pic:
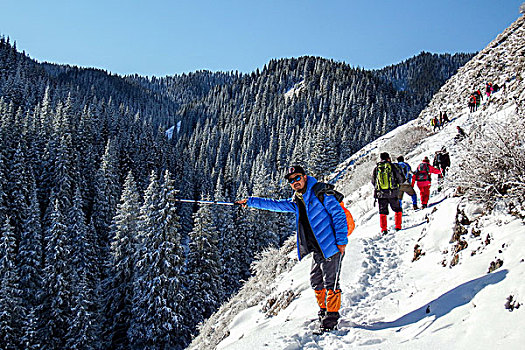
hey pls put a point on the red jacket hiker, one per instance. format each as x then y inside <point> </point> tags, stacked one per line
<point>423,179</point>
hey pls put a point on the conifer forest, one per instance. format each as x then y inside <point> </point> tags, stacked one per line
<point>95,250</point>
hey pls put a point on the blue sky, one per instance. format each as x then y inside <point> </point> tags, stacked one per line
<point>172,37</point>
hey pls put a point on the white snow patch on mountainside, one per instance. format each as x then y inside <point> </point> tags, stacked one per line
<point>295,90</point>
<point>396,295</point>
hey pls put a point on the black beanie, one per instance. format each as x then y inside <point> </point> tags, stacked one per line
<point>384,156</point>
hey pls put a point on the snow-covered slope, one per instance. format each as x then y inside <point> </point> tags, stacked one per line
<point>444,299</point>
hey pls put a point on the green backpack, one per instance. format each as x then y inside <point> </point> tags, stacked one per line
<point>384,178</point>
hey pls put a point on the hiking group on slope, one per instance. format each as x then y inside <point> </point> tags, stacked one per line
<point>476,97</point>
<point>392,180</point>
<point>439,122</point>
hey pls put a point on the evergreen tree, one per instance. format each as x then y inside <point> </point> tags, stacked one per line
<point>155,322</point>
<point>17,191</point>
<point>123,244</point>
<point>245,232</point>
<point>84,331</point>
<point>107,192</point>
<point>205,284</point>
<point>223,221</point>
<point>57,303</point>
<point>11,307</point>
<point>30,255</point>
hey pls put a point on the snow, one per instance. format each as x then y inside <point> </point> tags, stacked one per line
<point>294,91</point>
<point>171,131</point>
<point>390,301</point>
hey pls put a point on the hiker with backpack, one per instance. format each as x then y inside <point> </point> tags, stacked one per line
<point>406,186</point>
<point>386,179</point>
<point>479,97</point>
<point>441,161</point>
<point>472,103</point>
<point>435,123</point>
<point>423,179</point>
<point>323,225</point>
<point>488,90</point>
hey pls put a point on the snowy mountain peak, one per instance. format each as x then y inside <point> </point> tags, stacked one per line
<point>452,278</point>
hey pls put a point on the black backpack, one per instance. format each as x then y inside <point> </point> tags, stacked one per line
<point>321,188</point>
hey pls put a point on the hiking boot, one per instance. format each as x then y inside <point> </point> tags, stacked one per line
<point>329,322</point>
<point>424,206</point>
<point>384,232</point>
<point>415,207</point>
<point>398,229</point>
<point>321,314</point>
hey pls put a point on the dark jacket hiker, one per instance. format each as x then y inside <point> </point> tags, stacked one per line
<point>442,161</point>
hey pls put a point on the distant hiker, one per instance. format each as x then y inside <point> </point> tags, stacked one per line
<point>488,90</point>
<point>321,230</point>
<point>445,118</point>
<point>472,103</point>
<point>423,179</point>
<point>406,187</point>
<point>461,134</point>
<point>479,97</point>
<point>495,88</point>
<point>441,161</point>
<point>386,179</point>
<point>435,123</point>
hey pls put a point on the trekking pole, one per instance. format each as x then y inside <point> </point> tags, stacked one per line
<point>339,271</point>
<point>204,202</point>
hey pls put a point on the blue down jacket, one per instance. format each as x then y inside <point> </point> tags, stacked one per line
<point>328,221</point>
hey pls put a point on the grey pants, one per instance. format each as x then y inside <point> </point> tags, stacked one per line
<point>325,272</point>
<point>405,188</point>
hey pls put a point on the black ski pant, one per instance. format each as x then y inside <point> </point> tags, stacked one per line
<point>393,202</point>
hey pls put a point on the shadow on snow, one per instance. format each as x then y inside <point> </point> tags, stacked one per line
<point>441,306</point>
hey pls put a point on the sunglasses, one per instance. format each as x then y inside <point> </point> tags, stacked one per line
<point>295,179</point>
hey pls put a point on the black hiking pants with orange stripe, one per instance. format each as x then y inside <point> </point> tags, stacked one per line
<point>324,279</point>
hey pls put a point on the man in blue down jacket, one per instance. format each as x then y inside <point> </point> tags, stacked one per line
<point>321,230</point>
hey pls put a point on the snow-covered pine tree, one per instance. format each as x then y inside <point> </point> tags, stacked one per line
<point>245,233</point>
<point>30,254</point>
<point>204,282</point>
<point>17,190</point>
<point>119,287</point>
<point>11,307</point>
<point>264,186</point>
<point>155,322</point>
<point>107,192</point>
<point>85,257</point>
<point>84,331</point>
<point>56,308</point>
<point>223,221</point>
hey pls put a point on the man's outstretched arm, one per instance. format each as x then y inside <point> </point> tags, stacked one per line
<point>282,205</point>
